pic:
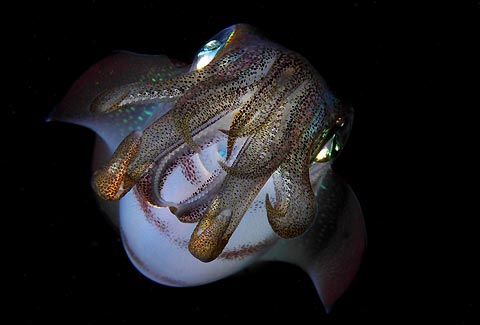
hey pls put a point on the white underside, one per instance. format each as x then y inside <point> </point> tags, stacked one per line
<point>162,254</point>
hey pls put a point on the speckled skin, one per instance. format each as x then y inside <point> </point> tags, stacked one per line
<point>268,112</point>
<point>277,100</point>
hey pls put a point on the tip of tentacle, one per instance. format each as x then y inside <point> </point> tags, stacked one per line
<point>111,182</point>
<point>276,210</point>
<point>226,132</point>
<point>224,166</point>
<point>208,239</point>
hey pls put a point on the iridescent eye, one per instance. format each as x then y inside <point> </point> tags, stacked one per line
<point>211,48</point>
<point>211,45</point>
<point>332,141</point>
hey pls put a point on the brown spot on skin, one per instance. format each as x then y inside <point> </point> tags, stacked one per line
<point>246,250</point>
<point>110,180</point>
<point>148,213</point>
<point>154,220</point>
<point>190,170</point>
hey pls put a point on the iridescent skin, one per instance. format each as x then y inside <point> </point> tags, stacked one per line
<point>246,135</point>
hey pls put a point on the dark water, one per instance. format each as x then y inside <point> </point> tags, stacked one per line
<point>394,65</point>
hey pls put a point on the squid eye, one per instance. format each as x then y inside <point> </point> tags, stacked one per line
<point>211,48</point>
<point>332,141</point>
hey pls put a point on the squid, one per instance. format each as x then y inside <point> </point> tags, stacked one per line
<point>207,168</point>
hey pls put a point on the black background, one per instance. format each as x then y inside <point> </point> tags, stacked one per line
<point>403,68</point>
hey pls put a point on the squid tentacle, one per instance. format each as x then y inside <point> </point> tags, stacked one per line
<point>294,208</point>
<point>274,142</point>
<point>248,186</point>
<point>111,180</point>
<point>208,246</point>
<point>146,92</point>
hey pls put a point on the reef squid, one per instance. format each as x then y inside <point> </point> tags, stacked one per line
<point>207,168</point>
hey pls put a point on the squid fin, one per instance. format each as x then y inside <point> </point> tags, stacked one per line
<point>117,70</point>
<point>331,250</point>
